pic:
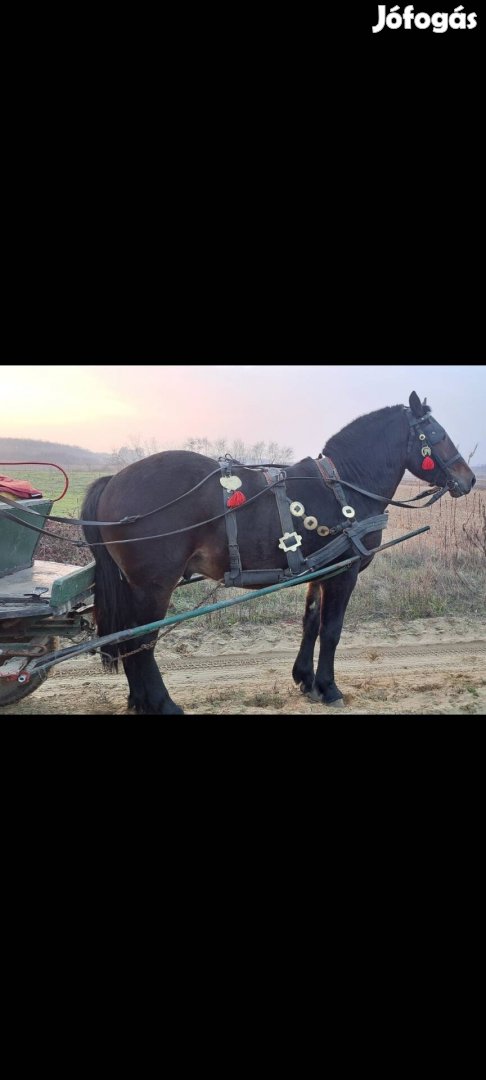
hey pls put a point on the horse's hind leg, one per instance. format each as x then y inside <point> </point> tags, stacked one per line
<point>303,669</point>
<point>148,693</point>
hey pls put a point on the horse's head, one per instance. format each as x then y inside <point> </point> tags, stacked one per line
<point>431,454</point>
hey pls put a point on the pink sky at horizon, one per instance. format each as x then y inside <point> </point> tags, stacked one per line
<point>101,407</point>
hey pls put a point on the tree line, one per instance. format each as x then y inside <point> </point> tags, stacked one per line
<point>258,453</point>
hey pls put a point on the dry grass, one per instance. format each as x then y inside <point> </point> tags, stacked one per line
<point>455,524</point>
<point>441,572</point>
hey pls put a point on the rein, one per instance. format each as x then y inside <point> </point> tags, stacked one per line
<point>174,532</point>
<point>436,493</point>
<point>138,517</point>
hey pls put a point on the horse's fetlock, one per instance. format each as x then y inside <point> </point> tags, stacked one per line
<point>303,675</point>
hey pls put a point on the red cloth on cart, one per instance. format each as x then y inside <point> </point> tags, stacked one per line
<point>22,489</point>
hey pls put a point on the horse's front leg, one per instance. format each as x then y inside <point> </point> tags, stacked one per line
<point>303,669</point>
<point>148,694</point>
<point>335,598</point>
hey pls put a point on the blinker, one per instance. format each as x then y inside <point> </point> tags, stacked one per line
<point>436,433</point>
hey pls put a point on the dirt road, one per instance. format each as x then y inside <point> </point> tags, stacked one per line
<point>427,667</point>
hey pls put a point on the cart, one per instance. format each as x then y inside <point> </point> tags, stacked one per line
<point>40,602</point>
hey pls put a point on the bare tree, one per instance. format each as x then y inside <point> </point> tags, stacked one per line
<point>258,454</point>
<point>238,449</point>
<point>136,450</point>
<point>262,453</point>
<point>281,455</point>
<point>199,444</point>
<point>220,447</point>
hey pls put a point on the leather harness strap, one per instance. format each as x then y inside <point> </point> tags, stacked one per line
<point>295,559</point>
<point>231,531</point>
<point>328,472</point>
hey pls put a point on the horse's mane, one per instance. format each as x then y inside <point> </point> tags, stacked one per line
<point>354,435</point>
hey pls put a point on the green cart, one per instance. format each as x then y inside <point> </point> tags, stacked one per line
<point>40,602</point>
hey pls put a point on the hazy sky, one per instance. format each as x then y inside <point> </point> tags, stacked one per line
<point>101,407</point>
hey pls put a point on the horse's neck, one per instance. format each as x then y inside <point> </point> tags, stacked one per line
<point>379,468</point>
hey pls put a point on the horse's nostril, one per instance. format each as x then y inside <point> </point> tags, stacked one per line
<point>473,481</point>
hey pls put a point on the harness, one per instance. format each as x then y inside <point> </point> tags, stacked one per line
<point>350,533</point>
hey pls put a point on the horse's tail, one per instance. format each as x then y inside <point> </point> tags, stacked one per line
<point>112,595</point>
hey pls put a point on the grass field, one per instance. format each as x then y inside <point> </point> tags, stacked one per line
<point>442,572</point>
<point>51,482</point>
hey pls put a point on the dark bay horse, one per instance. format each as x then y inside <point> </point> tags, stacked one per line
<point>179,500</point>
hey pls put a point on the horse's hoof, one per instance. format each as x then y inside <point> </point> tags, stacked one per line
<point>314,695</point>
<point>304,689</point>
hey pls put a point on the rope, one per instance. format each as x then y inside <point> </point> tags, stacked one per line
<point>66,478</point>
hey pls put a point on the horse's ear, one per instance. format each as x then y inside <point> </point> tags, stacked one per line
<point>415,405</point>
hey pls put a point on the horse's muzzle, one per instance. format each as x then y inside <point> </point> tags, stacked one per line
<point>461,487</point>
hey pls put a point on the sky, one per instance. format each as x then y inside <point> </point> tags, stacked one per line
<point>104,406</point>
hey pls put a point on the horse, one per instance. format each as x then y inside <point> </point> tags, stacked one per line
<point>165,518</point>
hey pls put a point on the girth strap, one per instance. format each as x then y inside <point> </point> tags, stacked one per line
<point>231,532</point>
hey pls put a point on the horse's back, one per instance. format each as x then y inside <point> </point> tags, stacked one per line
<point>154,480</point>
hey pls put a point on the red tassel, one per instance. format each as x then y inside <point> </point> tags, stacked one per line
<point>237,499</point>
<point>428,463</point>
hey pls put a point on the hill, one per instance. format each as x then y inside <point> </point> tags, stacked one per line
<point>69,457</point>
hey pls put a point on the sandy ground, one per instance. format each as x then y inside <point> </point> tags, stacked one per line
<point>426,667</point>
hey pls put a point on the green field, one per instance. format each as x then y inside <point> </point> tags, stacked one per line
<point>51,482</point>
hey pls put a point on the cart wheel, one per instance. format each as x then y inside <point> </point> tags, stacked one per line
<point>10,692</point>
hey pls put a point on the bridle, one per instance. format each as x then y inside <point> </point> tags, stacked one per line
<point>433,435</point>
